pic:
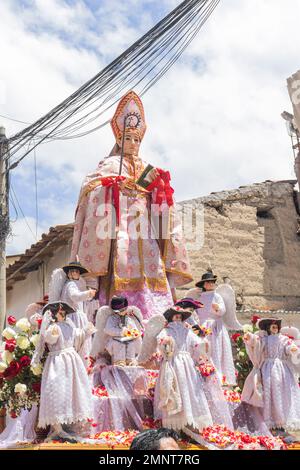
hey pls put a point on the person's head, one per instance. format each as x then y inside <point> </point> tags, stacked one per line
<point>156,439</point>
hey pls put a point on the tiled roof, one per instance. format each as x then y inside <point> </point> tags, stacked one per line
<point>33,256</point>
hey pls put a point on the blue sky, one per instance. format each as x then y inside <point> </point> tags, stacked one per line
<point>213,120</point>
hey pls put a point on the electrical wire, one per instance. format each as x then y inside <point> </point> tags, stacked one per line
<point>139,67</point>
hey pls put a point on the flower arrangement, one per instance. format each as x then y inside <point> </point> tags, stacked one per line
<point>201,330</point>
<point>20,383</point>
<point>115,438</point>
<point>152,376</point>
<point>232,396</point>
<point>100,392</point>
<point>223,437</point>
<point>206,368</point>
<point>243,364</point>
<point>131,333</point>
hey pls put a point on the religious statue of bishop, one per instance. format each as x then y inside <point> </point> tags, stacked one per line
<point>116,234</point>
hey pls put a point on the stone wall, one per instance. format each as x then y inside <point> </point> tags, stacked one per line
<point>250,236</point>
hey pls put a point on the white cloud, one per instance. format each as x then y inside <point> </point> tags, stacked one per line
<point>213,120</point>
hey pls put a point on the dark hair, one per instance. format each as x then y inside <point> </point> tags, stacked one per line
<point>54,313</point>
<point>150,439</point>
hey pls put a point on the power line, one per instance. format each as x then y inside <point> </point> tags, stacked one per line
<point>139,67</point>
<point>14,120</point>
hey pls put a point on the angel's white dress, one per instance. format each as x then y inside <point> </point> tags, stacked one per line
<point>65,390</point>
<point>221,351</point>
<point>280,390</point>
<point>75,294</point>
<point>179,397</point>
<point>121,351</point>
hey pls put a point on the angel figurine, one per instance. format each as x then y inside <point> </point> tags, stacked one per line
<point>179,398</point>
<point>119,330</point>
<point>218,314</point>
<point>68,285</point>
<point>272,385</point>
<point>66,396</point>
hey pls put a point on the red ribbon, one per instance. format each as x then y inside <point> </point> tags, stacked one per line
<point>162,188</point>
<point>113,182</point>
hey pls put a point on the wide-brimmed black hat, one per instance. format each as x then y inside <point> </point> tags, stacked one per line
<point>265,323</point>
<point>55,306</point>
<point>208,276</point>
<point>75,265</point>
<point>169,314</point>
<point>118,302</point>
<point>188,302</point>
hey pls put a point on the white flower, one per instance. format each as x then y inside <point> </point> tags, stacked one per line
<point>3,367</point>
<point>23,325</point>
<point>20,388</point>
<point>36,369</point>
<point>247,328</point>
<point>34,339</point>
<point>23,342</point>
<point>241,354</point>
<point>8,333</point>
<point>7,357</point>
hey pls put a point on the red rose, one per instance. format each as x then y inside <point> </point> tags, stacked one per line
<point>11,320</point>
<point>36,387</point>
<point>39,322</point>
<point>13,414</point>
<point>10,345</point>
<point>25,361</point>
<point>255,319</point>
<point>12,370</point>
<point>235,337</point>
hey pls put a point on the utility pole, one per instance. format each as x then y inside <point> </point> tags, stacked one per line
<point>4,223</point>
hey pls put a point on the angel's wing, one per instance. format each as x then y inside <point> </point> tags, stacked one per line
<point>137,317</point>
<point>57,281</point>
<point>153,328</point>
<point>31,310</point>
<point>100,337</point>
<point>194,293</point>
<point>228,295</point>
<point>293,333</point>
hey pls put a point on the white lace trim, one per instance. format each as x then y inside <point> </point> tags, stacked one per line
<point>63,419</point>
<point>179,423</point>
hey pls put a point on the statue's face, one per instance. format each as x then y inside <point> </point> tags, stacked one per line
<point>131,142</point>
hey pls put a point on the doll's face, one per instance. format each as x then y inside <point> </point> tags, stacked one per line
<point>177,317</point>
<point>60,315</point>
<point>209,285</point>
<point>274,330</point>
<point>122,312</point>
<point>74,274</point>
<point>131,142</point>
